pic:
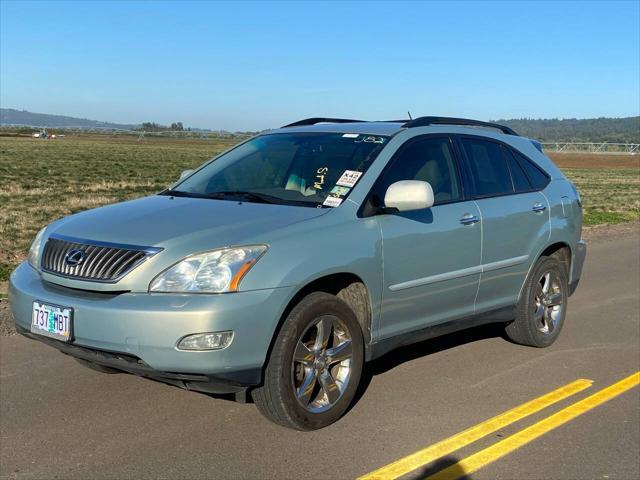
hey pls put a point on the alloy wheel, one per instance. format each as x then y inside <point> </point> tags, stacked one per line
<point>321,366</point>
<point>549,302</point>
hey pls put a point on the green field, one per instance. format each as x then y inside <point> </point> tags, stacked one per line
<point>47,179</point>
<point>610,195</point>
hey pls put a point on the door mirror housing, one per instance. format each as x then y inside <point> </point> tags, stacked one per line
<point>185,174</point>
<point>407,195</point>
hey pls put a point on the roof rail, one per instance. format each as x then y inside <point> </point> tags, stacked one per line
<point>426,121</point>
<point>315,120</point>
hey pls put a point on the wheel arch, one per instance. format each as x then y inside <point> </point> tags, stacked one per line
<point>347,286</point>
<point>559,250</point>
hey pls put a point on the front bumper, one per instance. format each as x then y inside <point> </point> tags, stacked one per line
<point>234,382</point>
<point>146,327</point>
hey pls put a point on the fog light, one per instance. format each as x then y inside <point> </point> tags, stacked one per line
<point>206,341</point>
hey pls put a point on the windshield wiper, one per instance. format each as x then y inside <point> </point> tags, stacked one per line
<point>177,193</point>
<point>255,197</point>
<point>240,194</point>
<point>251,196</point>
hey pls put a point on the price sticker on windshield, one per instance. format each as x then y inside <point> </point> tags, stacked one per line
<point>349,178</point>
<point>332,202</point>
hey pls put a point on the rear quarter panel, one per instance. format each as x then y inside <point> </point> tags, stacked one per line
<point>565,218</point>
<point>566,215</point>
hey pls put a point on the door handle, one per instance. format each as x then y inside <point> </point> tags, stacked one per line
<point>538,207</point>
<point>469,219</point>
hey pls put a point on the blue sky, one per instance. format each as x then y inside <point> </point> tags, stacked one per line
<point>257,65</point>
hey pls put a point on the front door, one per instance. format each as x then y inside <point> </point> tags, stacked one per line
<point>432,256</point>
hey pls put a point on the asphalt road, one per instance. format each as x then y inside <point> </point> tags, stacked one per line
<point>60,420</point>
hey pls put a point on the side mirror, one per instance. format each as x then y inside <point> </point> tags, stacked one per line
<point>185,174</point>
<point>407,195</point>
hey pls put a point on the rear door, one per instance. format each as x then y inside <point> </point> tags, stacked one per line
<point>515,216</point>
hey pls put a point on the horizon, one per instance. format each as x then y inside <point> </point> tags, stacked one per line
<point>163,62</point>
<point>195,127</point>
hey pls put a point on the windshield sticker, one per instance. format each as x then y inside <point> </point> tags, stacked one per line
<point>320,174</point>
<point>349,178</point>
<point>351,135</point>
<point>372,139</point>
<point>339,191</point>
<point>332,202</point>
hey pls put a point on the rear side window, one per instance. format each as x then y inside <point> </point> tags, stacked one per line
<point>520,180</point>
<point>537,178</point>
<point>489,167</point>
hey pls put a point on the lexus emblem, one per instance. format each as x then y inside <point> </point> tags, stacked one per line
<point>74,258</point>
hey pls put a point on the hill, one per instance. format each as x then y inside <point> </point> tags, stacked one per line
<point>622,130</point>
<point>10,116</point>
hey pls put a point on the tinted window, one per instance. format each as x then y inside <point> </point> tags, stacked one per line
<point>538,179</point>
<point>520,180</point>
<point>488,165</point>
<point>429,160</point>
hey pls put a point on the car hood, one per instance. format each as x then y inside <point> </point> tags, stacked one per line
<point>191,223</point>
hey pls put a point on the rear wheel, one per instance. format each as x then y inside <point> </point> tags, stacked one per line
<point>542,308</point>
<point>314,369</point>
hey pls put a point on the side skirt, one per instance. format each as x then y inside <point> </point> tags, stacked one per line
<point>378,349</point>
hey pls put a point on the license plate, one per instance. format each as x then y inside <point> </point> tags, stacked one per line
<point>51,321</point>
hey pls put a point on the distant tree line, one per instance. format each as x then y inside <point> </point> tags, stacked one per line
<point>613,130</point>
<point>156,127</point>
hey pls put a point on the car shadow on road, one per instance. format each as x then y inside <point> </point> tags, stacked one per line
<point>405,354</point>
<point>449,462</point>
<point>421,349</point>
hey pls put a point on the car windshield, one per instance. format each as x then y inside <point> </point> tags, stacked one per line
<point>308,169</point>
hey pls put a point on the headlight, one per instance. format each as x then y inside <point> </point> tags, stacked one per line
<point>34,251</point>
<point>217,271</point>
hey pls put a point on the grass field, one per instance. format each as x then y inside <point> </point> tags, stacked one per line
<point>45,180</point>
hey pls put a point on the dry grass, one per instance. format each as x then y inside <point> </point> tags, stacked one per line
<point>595,161</point>
<point>45,180</point>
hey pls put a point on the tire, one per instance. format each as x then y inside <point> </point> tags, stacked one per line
<point>96,367</point>
<point>542,308</point>
<point>315,365</point>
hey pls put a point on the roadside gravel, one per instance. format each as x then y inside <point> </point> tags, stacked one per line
<point>605,232</point>
<point>6,321</point>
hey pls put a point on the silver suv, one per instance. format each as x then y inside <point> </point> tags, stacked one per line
<point>279,267</point>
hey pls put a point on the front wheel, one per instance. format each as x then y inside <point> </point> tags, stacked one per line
<point>542,307</point>
<point>315,366</point>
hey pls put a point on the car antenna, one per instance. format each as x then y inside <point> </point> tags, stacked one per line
<point>409,113</point>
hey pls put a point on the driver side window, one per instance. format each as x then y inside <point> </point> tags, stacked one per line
<point>429,159</point>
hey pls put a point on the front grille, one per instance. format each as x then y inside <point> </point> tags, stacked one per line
<point>99,261</point>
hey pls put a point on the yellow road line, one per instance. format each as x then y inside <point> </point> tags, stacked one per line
<point>490,454</point>
<point>451,444</point>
